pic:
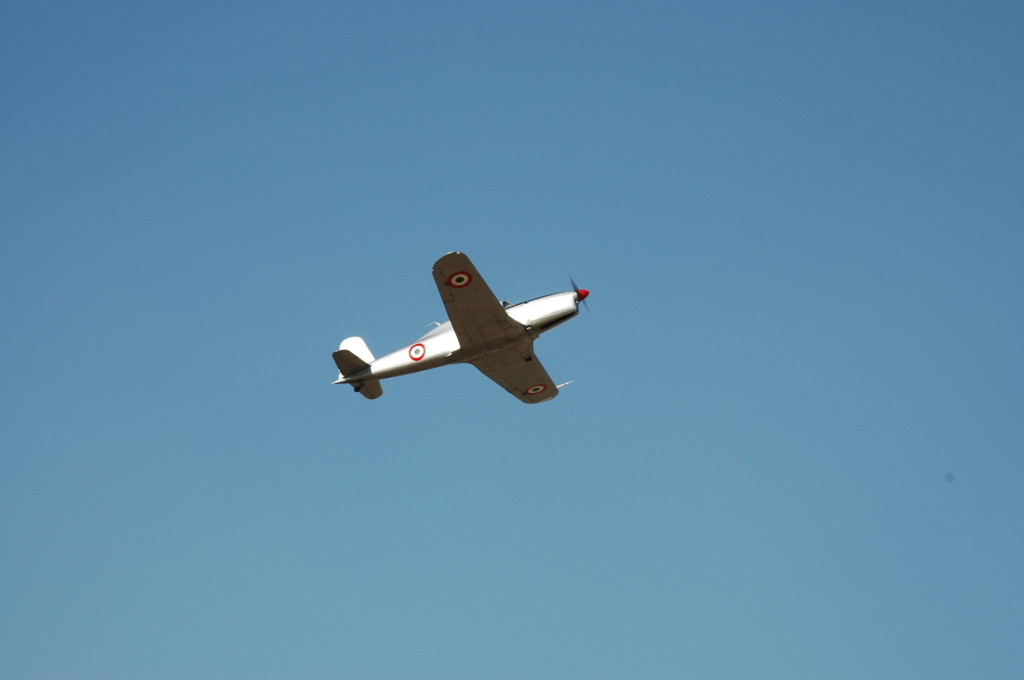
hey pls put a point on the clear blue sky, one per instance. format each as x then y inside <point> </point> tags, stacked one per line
<point>794,447</point>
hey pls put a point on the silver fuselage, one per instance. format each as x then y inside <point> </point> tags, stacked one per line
<point>441,346</point>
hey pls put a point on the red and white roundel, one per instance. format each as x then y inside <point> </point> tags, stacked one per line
<point>417,351</point>
<point>536,389</point>
<point>460,279</point>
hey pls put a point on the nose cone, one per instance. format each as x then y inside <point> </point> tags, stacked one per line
<point>582,294</point>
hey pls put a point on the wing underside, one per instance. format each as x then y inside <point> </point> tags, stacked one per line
<point>479,320</point>
<point>489,338</point>
<point>520,373</point>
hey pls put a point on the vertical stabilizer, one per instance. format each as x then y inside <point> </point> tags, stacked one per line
<point>358,346</point>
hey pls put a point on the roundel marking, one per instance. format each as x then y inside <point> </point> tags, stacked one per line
<point>417,351</point>
<point>536,389</point>
<point>460,279</point>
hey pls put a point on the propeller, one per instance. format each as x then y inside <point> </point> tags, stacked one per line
<point>581,293</point>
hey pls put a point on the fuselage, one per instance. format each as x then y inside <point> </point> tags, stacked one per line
<point>441,346</point>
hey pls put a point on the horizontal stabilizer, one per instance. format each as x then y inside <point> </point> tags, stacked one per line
<point>348,363</point>
<point>370,389</point>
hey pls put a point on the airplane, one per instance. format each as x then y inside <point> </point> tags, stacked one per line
<point>496,337</point>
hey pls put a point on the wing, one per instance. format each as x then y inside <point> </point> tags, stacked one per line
<point>519,372</point>
<point>478,318</point>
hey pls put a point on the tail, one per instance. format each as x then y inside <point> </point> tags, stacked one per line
<point>353,359</point>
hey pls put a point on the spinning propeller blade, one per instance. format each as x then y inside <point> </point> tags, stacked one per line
<point>581,293</point>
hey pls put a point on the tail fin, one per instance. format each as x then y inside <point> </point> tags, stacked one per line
<point>352,358</point>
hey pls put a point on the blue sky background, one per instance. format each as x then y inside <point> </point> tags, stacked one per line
<point>795,443</point>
